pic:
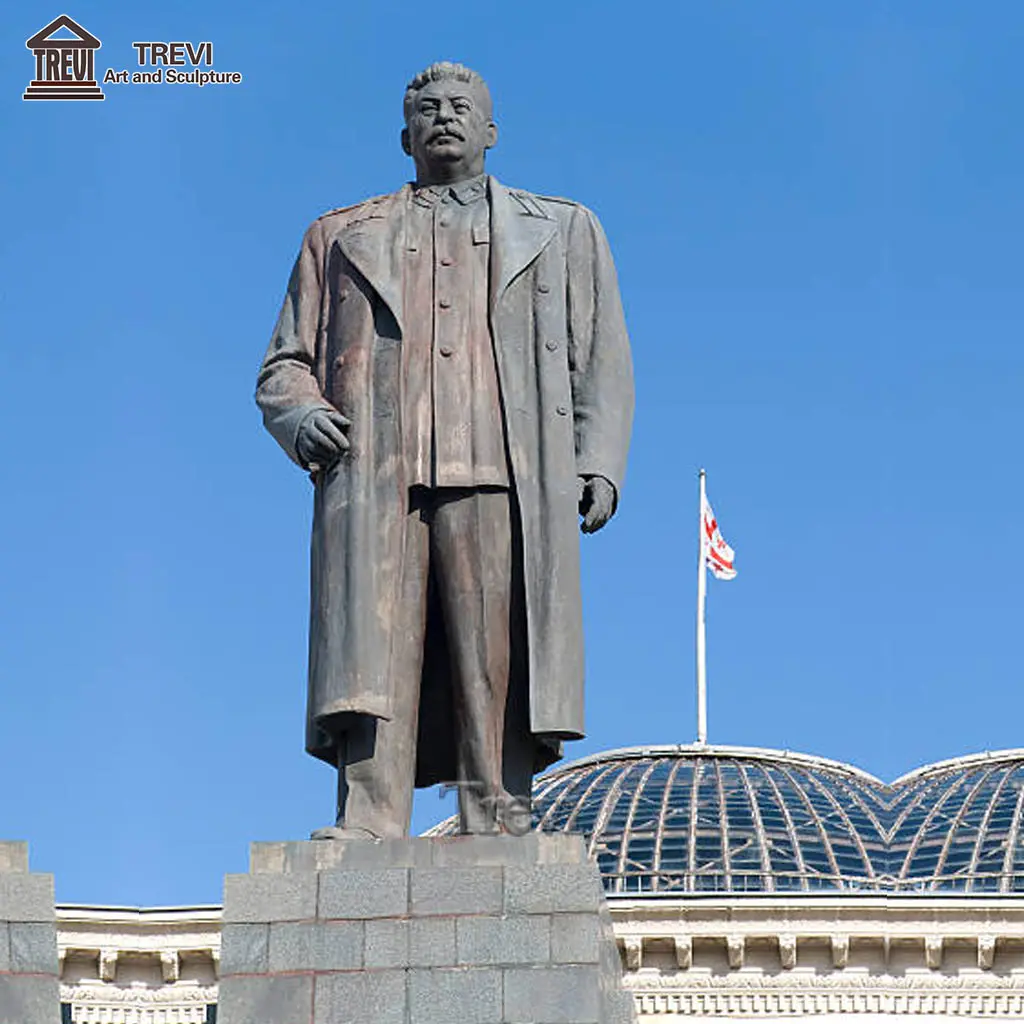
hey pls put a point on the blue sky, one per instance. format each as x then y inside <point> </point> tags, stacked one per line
<point>816,212</point>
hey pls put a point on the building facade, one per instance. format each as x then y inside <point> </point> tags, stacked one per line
<point>742,883</point>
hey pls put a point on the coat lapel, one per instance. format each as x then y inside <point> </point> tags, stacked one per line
<point>373,244</point>
<point>519,231</point>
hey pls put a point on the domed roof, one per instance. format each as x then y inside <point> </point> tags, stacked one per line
<point>735,819</point>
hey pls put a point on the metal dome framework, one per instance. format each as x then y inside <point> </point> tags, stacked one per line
<point>716,819</point>
<point>733,819</point>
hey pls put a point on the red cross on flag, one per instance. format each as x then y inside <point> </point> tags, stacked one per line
<point>718,555</point>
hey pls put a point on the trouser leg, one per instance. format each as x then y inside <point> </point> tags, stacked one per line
<point>518,755</point>
<point>519,749</point>
<point>377,757</point>
<point>471,557</point>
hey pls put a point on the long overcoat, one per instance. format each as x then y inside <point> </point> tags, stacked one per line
<point>566,383</point>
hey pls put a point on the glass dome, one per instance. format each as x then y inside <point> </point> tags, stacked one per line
<point>735,819</point>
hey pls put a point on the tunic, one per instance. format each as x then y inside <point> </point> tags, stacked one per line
<point>454,436</point>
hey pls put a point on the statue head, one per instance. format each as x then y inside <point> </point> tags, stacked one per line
<point>448,125</point>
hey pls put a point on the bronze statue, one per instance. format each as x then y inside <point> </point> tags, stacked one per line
<point>451,365</point>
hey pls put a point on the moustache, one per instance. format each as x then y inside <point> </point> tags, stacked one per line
<point>446,133</point>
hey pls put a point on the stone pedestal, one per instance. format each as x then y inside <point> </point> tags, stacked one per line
<point>29,980</point>
<point>454,930</point>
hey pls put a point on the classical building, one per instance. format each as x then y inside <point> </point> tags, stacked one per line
<point>130,965</point>
<point>742,882</point>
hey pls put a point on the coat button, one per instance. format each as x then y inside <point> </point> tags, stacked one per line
<point>444,303</point>
<point>543,287</point>
<point>551,345</point>
<point>446,350</point>
<point>562,410</point>
<point>446,261</point>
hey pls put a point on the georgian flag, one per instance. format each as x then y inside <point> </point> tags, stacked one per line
<point>718,556</point>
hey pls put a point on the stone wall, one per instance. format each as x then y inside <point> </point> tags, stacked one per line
<point>474,930</point>
<point>29,984</point>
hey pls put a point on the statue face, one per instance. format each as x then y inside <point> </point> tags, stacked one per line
<point>449,129</point>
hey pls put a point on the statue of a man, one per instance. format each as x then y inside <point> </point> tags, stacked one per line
<point>451,365</point>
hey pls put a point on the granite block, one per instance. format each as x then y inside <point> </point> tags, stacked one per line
<point>33,948</point>
<point>620,1008</point>
<point>29,999</point>
<point>336,854</point>
<point>364,894</point>
<point>561,848</point>
<point>26,897</point>
<point>575,938</point>
<point>555,995</point>
<point>432,942</point>
<point>455,995</point>
<point>287,999</point>
<point>244,949</point>
<point>386,943</point>
<point>363,997</point>
<point>316,946</point>
<point>610,958</point>
<point>364,855</point>
<point>267,858</point>
<point>503,851</point>
<point>13,856</point>
<point>552,888</point>
<point>419,942</point>
<point>255,899</point>
<point>456,891</point>
<point>503,940</point>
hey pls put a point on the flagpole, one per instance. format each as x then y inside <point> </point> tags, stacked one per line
<point>702,589</point>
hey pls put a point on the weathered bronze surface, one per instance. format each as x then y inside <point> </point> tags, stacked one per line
<point>451,364</point>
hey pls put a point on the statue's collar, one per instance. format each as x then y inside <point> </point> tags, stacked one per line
<point>467,191</point>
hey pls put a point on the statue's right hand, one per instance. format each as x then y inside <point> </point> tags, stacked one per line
<point>321,440</point>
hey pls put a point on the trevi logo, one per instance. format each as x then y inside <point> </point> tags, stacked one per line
<point>65,68</point>
<point>65,64</point>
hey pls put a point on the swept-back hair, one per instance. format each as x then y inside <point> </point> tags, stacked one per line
<point>439,71</point>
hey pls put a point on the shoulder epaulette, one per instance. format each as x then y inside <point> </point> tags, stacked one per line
<point>528,201</point>
<point>559,199</point>
<point>374,200</point>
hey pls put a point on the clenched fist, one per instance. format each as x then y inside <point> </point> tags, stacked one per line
<point>597,502</point>
<point>321,440</point>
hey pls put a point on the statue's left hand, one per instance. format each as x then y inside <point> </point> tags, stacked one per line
<point>597,502</point>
